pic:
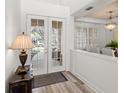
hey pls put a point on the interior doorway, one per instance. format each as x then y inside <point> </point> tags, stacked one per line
<point>47,35</point>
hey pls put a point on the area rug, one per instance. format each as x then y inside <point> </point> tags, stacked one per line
<point>48,79</point>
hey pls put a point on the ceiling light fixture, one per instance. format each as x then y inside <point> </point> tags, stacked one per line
<point>89,8</point>
<point>110,26</point>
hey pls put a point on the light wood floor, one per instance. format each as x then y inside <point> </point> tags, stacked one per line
<point>73,85</point>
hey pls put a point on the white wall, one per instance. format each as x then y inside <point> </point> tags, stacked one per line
<point>74,5</point>
<point>100,72</point>
<point>39,8</point>
<point>104,36</point>
<point>36,7</point>
<point>69,41</point>
<point>12,30</point>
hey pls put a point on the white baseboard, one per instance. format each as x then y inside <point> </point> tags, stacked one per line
<point>88,83</point>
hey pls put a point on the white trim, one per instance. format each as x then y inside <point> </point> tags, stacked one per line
<point>91,20</point>
<point>99,56</point>
<point>88,83</point>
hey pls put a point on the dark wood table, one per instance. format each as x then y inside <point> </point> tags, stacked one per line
<point>21,83</point>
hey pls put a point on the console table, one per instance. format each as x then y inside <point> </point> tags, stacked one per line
<point>21,83</point>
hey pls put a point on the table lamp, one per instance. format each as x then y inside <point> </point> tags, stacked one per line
<point>22,43</point>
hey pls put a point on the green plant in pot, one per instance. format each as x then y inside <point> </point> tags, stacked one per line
<point>114,46</point>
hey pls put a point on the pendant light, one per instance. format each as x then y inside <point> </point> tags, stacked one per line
<point>110,26</point>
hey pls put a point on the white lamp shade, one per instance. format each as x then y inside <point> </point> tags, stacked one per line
<point>22,42</point>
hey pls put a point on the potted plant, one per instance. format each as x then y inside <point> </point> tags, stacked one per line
<point>114,46</point>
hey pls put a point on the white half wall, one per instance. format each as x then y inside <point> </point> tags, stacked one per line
<point>100,72</point>
<point>12,30</point>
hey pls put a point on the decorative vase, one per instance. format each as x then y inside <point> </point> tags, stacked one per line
<point>113,52</point>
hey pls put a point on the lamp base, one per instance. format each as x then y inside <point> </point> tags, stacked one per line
<point>22,70</point>
<point>23,57</point>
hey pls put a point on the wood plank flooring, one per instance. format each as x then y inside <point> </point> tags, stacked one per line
<point>73,85</point>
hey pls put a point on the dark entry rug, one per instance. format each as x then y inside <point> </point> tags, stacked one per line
<point>48,79</point>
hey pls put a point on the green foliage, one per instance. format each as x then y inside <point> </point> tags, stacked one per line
<point>112,44</point>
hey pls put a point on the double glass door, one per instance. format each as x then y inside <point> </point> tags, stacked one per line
<point>47,36</point>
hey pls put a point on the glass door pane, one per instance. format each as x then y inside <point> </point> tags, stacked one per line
<point>55,46</point>
<point>56,43</point>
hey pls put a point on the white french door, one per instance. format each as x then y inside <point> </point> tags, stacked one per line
<point>56,60</point>
<point>47,36</point>
<point>37,28</point>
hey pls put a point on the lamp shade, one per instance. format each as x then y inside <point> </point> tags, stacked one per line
<point>22,41</point>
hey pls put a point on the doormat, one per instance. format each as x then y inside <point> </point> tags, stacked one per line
<point>48,79</point>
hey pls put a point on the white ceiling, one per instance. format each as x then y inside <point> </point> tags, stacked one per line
<point>74,5</point>
<point>100,10</point>
<point>57,2</point>
<point>63,2</point>
<point>103,12</point>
